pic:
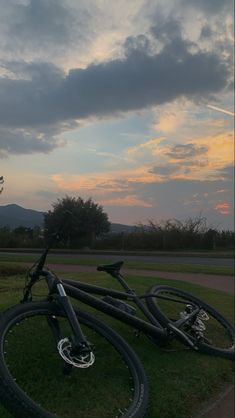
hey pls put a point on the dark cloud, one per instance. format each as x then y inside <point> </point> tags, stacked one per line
<point>227,172</point>
<point>42,74</point>
<point>51,29</point>
<point>20,141</point>
<point>165,170</point>
<point>206,32</point>
<point>166,29</point>
<point>209,6</point>
<point>137,81</point>
<point>181,152</point>
<point>32,99</point>
<point>185,167</point>
<point>42,21</point>
<point>38,95</point>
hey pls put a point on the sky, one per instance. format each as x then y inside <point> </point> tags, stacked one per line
<point>127,102</point>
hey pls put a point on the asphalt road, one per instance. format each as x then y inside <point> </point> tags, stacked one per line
<point>166,259</point>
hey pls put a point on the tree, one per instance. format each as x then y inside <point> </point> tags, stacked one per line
<point>78,221</point>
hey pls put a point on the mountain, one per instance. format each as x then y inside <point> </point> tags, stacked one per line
<point>14,216</point>
<point>118,228</point>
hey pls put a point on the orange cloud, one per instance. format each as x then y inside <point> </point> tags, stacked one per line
<point>218,152</point>
<point>151,145</point>
<point>105,182</point>
<point>224,208</point>
<point>169,121</point>
<point>200,158</point>
<point>102,184</point>
<point>222,191</point>
<point>131,200</point>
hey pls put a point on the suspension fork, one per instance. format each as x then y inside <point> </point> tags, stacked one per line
<point>57,292</point>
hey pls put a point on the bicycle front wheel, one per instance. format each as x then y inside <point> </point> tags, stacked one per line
<point>32,378</point>
<point>208,329</point>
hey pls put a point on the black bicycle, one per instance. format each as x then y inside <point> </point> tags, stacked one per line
<point>78,360</point>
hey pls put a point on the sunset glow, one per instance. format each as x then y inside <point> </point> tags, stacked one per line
<point>223,208</point>
<point>127,104</point>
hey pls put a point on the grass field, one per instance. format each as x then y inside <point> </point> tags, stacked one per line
<point>180,380</point>
<point>8,259</point>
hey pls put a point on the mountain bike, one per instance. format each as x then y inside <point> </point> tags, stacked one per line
<point>77,360</point>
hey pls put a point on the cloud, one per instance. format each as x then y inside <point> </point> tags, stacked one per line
<point>130,200</point>
<point>227,172</point>
<point>209,6</point>
<point>151,146</point>
<point>120,182</point>
<point>206,32</point>
<point>43,139</point>
<point>147,190</point>
<point>182,152</point>
<point>21,141</point>
<point>158,63</point>
<point>166,170</point>
<point>41,20</point>
<point>168,30</point>
<point>140,80</point>
<point>223,207</point>
<point>47,25</point>
<point>72,32</point>
<point>102,183</point>
<point>169,121</point>
<point>207,155</point>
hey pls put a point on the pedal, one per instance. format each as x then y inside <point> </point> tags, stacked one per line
<point>136,333</point>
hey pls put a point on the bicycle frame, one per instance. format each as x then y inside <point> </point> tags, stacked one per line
<point>82,291</point>
<point>154,329</point>
<point>74,289</point>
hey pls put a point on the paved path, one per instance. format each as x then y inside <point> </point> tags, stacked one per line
<point>221,407</point>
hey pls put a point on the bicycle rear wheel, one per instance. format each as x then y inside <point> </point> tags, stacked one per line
<point>32,381</point>
<point>209,330</point>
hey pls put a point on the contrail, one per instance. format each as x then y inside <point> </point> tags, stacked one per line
<point>227,112</point>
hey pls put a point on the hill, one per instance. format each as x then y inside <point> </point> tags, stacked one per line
<point>14,215</point>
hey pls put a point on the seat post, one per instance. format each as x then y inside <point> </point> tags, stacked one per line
<point>122,282</point>
<point>114,271</point>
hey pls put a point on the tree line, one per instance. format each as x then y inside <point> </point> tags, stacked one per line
<point>83,224</point>
<point>172,234</point>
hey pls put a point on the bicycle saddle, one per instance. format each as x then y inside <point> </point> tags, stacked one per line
<point>111,268</point>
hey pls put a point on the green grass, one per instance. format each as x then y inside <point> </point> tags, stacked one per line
<point>92,261</point>
<point>180,381</point>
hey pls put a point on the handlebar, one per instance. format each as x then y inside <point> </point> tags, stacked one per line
<point>37,267</point>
